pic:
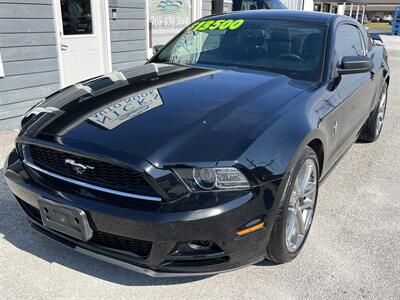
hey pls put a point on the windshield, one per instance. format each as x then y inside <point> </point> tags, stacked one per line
<point>287,47</point>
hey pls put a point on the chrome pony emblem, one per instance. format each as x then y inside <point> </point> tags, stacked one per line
<point>78,168</point>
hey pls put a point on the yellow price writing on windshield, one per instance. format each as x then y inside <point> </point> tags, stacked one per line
<point>216,25</point>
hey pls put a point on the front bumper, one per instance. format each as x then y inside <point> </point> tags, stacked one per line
<point>165,231</point>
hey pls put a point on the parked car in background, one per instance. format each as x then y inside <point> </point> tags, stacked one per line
<point>387,18</point>
<point>209,157</point>
<point>376,19</point>
<point>359,18</point>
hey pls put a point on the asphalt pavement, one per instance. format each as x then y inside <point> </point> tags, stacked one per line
<point>353,250</point>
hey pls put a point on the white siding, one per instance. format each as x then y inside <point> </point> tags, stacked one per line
<point>206,7</point>
<point>293,4</point>
<point>128,36</point>
<point>29,54</point>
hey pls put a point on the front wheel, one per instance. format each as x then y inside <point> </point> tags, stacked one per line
<point>296,209</point>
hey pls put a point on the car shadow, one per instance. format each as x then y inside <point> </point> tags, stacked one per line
<point>266,263</point>
<point>15,228</point>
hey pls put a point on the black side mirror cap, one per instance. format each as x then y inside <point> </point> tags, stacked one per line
<point>354,65</point>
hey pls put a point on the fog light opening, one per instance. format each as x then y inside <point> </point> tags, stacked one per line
<point>196,249</point>
<point>199,245</point>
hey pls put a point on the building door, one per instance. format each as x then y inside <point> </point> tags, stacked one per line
<point>326,7</point>
<point>217,7</point>
<point>257,4</point>
<point>82,38</point>
<point>166,18</point>
<point>317,7</point>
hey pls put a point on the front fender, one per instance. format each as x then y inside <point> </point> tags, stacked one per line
<point>271,153</point>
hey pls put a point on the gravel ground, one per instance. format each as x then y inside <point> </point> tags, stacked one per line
<point>352,250</point>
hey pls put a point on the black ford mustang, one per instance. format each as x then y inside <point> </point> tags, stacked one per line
<point>208,157</point>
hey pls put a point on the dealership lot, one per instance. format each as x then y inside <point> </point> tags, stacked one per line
<point>352,250</point>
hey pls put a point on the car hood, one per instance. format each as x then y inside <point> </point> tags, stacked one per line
<point>165,114</point>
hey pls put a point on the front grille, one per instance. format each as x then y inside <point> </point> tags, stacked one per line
<point>103,174</point>
<point>138,247</point>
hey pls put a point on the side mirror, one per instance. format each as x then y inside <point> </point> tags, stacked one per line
<point>157,48</point>
<point>376,38</point>
<point>354,65</point>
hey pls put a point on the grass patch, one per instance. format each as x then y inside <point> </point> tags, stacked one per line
<point>378,26</point>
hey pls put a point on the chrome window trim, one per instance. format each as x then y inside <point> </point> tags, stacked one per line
<point>365,52</point>
<point>91,186</point>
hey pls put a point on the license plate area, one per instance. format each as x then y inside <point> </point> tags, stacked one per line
<point>66,219</point>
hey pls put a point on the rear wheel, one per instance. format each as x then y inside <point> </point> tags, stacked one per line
<point>373,126</point>
<point>296,210</point>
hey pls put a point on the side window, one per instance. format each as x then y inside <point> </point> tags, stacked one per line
<point>348,42</point>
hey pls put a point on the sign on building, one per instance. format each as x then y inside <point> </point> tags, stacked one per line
<point>167,18</point>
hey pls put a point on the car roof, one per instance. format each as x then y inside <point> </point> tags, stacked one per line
<point>283,14</point>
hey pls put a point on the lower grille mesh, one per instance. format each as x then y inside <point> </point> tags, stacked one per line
<point>138,247</point>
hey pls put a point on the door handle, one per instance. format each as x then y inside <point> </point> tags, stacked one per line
<point>64,47</point>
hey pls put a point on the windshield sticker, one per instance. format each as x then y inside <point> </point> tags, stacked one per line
<point>216,25</point>
<point>122,111</point>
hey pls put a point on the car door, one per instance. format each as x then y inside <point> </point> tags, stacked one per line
<point>377,70</point>
<point>355,91</point>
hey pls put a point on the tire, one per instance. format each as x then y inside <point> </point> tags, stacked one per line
<point>280,249</point>
<point>373,126</point>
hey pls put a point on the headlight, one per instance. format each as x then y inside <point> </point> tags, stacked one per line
<point>213,179</point>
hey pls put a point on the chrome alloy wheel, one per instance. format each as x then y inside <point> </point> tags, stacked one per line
<point>381,110</point>
<point>301,205</point>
